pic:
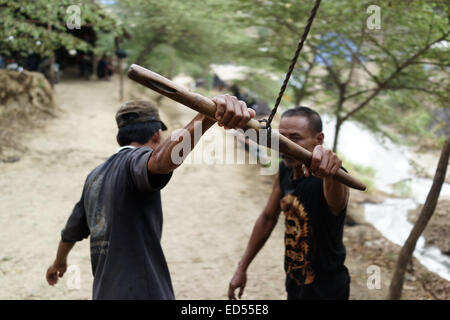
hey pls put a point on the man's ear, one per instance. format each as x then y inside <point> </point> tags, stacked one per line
<point>156,137</point>
<point>320,137</point>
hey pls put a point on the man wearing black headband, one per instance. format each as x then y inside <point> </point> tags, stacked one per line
<point>120,206</point>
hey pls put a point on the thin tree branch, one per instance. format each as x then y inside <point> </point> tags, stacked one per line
<point>414,57</point>
<point>330,70</point>
<point>362,104</point>
<point>402,87</point>
<point>359,93</point>
<point>283,23</point>
<point>355,56</point>
<point>444,65</point>
<point>383,85</point>
<point>301,93</point>
<point>352,67</point>
<point>384,49</point>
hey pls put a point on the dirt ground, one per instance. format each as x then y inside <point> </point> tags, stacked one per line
<point>209,211</point>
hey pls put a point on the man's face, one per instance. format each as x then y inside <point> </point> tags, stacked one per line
<point>296,129</point>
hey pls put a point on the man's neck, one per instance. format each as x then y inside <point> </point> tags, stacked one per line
<point>297,172</point>
<point>136,145</point>
<point>149,144</point>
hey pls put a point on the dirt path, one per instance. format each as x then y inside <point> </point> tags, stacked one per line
<point>203,237</point>
<point>39,191</point>
<point>209,210</point>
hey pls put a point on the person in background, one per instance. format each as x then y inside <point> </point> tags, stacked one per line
<point>314,205</point>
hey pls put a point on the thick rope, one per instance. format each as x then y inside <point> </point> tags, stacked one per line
<point>294,60</point>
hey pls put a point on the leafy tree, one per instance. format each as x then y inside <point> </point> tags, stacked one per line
<point>374,76</point>
<point>39,26</point>
<point>179,35</point>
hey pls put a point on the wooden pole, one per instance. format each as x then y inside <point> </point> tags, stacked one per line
<point>396,287</point>
<point>120,80</point>
<point>207,107</point>
<point>119,68</point>
<point>51,71</point>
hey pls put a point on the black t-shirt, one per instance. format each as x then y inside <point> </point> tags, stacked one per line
<point>120,208</point>
<point>314,251</point>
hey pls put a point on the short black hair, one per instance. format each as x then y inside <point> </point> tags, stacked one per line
<point>315,122</point>
<point>139,132</point>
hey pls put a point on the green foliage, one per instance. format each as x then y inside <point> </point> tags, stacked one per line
<point>384,78</point>
<point>363,173</point>
<point>388,77</point>
<point>178,36</point>
<point>261,84</point>
<point>105,42</point>
<point>403,188</point>
<point>24,25</point>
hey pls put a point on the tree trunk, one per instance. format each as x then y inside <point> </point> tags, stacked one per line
<point>144,53</point>
<point>151,44</point>
<point>172,65</point>
<point>94,64</point>
<point>120,80</point>
<point>51,71</point>
<point>299,94</point>
<point>118,41</point>
<point>337,129</point>
<point>395,290</point>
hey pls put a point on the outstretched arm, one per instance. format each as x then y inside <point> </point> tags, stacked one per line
<point>231,113</point>
<point>324,164</point>
<point>261,232</point>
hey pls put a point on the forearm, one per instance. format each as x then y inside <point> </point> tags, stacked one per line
<point>161,160</point>
<point>336,195</point>
<point>63,251</point>
<point>261,232</point>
